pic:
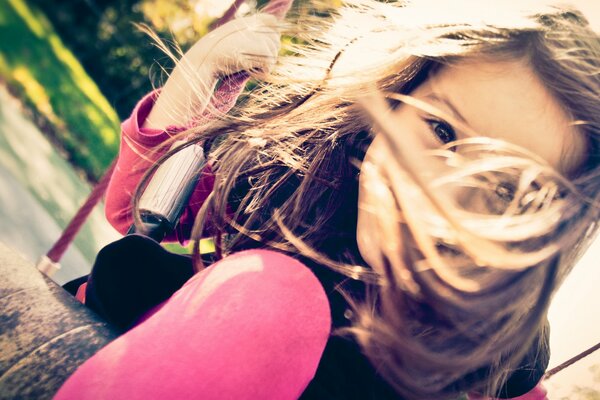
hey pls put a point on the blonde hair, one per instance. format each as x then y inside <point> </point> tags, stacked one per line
<point>286,163</point>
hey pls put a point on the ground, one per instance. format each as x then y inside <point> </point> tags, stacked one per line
<point>39,193</point>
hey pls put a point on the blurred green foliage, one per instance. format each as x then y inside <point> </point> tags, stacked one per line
<point>50,80</point>
<point>112,50</point>
<point>50,49</point>
<point>121,59</point>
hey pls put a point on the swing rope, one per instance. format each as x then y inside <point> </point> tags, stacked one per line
<point>571,361</point>
<point>49,263</point>
<point>59,248</point>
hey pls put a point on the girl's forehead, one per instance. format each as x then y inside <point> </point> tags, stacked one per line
<point>507,100</point>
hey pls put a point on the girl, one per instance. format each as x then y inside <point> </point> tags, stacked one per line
<point>433,164</point>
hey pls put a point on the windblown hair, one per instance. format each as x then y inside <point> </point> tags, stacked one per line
<point>455,309</point>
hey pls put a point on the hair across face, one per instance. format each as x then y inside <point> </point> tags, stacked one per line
<point>474,223</point>
<point>500,99</point>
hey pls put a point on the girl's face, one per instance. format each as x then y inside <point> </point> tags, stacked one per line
<point>500,99</point>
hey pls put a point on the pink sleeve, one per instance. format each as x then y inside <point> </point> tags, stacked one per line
<point>253,326</point>
<point>140,149</point>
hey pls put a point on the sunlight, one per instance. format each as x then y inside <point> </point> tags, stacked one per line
<point>36,93</point>
<point>212,8</point>
<point>591,10</point>
<point>88,86</point>
<point>33,22</point>
<point>107,133</point>
<point>574,328</point>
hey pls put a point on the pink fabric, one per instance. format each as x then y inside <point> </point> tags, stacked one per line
<point>140,148</point>
<point>278,7</point>
<point>252,326</point>
<point>80,295</point>
<point>537,393</point>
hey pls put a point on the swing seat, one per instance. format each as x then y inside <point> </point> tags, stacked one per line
<point>45,334</point>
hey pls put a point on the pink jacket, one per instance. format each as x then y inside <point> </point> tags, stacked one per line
<point>140,148</point>
<point>252,326</point>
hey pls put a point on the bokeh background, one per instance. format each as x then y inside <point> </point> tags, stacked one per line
<point>71,70</point>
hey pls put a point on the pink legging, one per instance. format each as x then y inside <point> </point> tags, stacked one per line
<point>252,326</point>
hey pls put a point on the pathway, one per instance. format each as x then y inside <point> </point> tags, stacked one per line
<point>39,193</point>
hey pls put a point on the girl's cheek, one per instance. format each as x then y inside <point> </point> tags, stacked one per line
<point>367,232</point>
<point>374,200</point>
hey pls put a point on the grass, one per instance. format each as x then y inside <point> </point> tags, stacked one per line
<point>206,246</point>
<point>52,83</point>
<point>65,102</point>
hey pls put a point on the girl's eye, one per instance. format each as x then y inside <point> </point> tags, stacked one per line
<point>444,132</point>
<point>393,103</point>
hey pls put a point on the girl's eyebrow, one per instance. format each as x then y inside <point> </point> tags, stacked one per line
<point>441,99</point>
